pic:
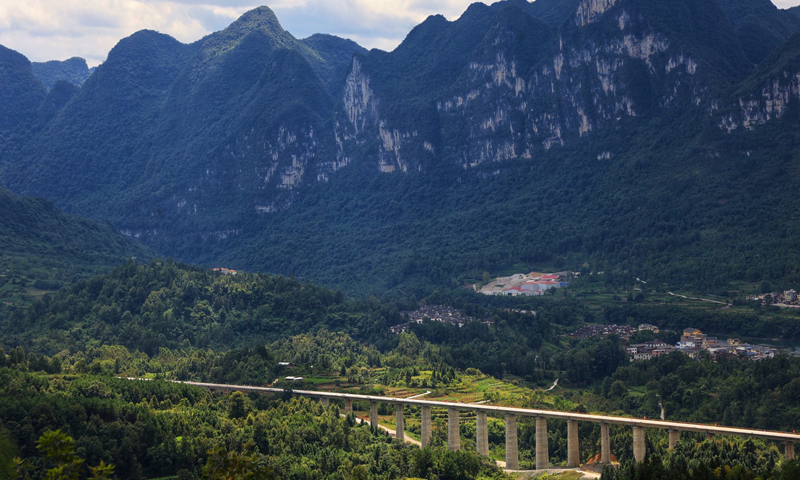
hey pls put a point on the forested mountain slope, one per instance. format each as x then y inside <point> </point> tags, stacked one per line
<point>626,135</point>
<point>44,248</point>
<point>73,70</point>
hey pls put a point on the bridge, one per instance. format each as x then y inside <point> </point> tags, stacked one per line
<point>511,414</point>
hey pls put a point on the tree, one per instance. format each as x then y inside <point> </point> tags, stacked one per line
<point>59,450</point>
<point>230,465</point>
<point>8,450</point>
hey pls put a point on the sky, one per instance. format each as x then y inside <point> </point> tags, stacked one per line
<point>59,29</point>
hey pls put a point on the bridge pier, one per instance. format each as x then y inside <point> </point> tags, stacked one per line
<point>512,452</point>
<point>511,413</point>
<point>399,423</point>
<point>482,433</point>
<point>638,443</point>
<point>605,444</point>
<point>674,436</point>
<point>542,452</point>
<point>426,426</point>
<point>453,430</point>
<point>373,414</point>
<point>573,449</point>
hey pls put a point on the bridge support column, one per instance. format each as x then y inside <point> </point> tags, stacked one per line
<point>348,406</point>
<point>453,430</point>
<point>542,452</point>
<point>674,436</point>
<point>399,423</point>
<point>788,450</point>
<point>482,434</point>
<point>605,444</point>
<point>512,452</point>
<point>573,450</point>
<point>373,414</point>
<point>426,426</point>
<point>326,402</point>
<point>638,443</point>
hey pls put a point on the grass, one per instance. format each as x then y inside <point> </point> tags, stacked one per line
<point>637,391</point>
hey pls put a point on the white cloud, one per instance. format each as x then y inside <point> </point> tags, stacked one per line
<point>59,29</point>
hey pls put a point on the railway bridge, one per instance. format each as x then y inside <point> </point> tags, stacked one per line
<point>511,414</point>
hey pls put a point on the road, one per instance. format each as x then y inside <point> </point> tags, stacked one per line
<point>697,298</point>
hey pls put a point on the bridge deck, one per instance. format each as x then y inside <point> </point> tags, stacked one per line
<point>523,412</point>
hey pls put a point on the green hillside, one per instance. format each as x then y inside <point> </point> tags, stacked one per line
<point>43,249</point>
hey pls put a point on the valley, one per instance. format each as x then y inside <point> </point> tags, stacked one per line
<point>352,229</point>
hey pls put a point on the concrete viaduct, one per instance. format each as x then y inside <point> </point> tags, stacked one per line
<point>511,415</point>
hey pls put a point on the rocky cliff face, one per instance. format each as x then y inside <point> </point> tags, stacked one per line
<point>769,93</point>
<point>606,63</point>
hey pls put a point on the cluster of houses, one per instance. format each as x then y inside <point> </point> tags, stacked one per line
<point>789,297</point>
<point>436,313</point>
<point>648,350</point>
<point>693,341</point>
<point>622,331</point>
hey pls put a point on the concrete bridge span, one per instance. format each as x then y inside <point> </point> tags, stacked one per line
<point>511,414</point>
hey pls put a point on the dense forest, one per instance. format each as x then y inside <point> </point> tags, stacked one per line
<point>194,324</point>
<point>153,429</point>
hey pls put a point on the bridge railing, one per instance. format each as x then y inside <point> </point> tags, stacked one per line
<point>512,413</point>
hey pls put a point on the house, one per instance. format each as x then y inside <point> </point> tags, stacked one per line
<point>647,326</point>
<point>224,271</point>
<point>401,328</point>
<point>513,291</point>
<point>665,350</point>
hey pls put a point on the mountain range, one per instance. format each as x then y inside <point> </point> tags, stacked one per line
<point>636,137</point>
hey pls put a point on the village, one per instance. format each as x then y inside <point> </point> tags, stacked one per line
<point>531,284</point>
<point>787,298</point>
<point>436,313</point>
<point>692,343</point>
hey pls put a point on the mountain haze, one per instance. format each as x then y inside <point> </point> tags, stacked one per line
<point>633,136</point>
